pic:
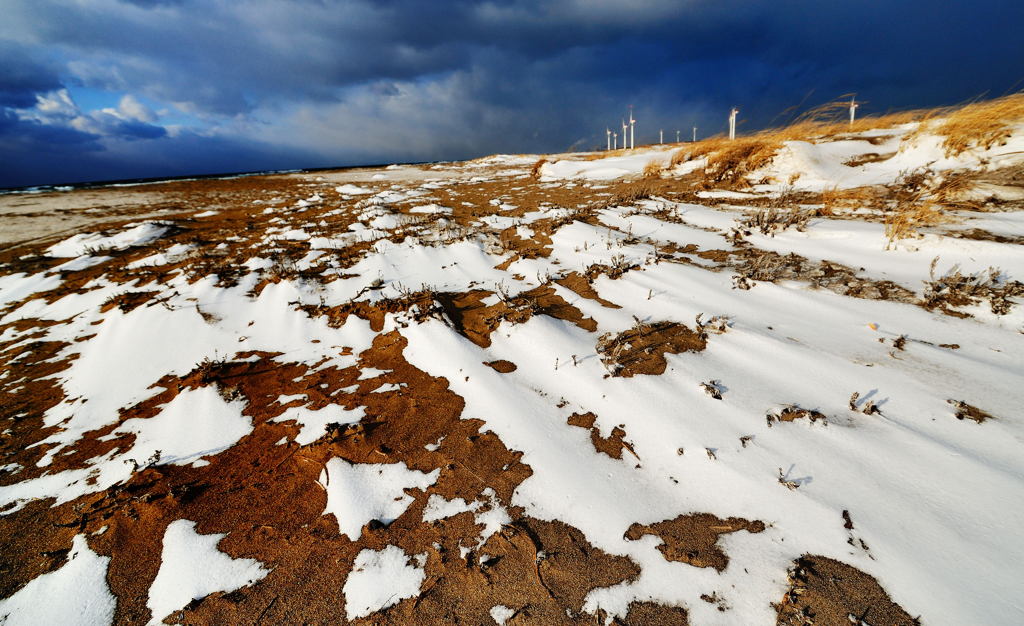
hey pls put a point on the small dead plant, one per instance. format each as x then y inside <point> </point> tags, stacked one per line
<point>955,289</point>
<point>792,413</point>
<point>773,219</point>
<point>966,411</point>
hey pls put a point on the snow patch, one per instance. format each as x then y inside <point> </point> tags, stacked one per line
<point>80,244</point>
<point>314,423</point>
<point>380,579</point>
<point>359,493</point>
<point>192,568</point>
<point>77,593</point>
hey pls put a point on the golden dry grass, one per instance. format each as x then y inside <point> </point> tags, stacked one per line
<point>729,161</point>
<point>905,220</point>
<point>654,168</point>
<point>535,169</point>
<point>953,188</point>
<point>834,200</point>
<point>914,207</point>
<point>981,124</point>
<point>604,154</point>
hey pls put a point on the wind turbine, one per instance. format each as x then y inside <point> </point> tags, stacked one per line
<point>625,127</point>
<point>632,124</point>
<point>615,141</point>
<point>853,108</point>
<point>694,134</point>
<point>609,132</point>
<point>677,136</point>
<point>732,122</point>
<point>661,136</point>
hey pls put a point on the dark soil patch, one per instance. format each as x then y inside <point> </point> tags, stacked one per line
<point>693,539</point>
<point>651,614</point>
<point>129,300</point>
<point>501,366</point>
<point>580,284</point>
<point>826,592</point>
<point>476,321</point>
<point>642,349</point>
<point>613,445</point>
<point>267,498</point>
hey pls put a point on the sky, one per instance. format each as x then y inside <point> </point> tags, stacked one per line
<point>96,90</point>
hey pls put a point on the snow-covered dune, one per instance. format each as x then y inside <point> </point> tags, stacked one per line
<point>467,392</point>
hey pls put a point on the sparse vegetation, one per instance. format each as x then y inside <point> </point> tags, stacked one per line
<point>655,168</point>
<point>966,411</point>
<point>770,220</point>
<point>641,349</point>
<point>713,389</point>
<point>913,207</point>
<point>489,254</point>
<point>729,162</point>
<point>981,124</point>
<point>793,412</point>
<point>955,289</point>
<point>836,200</point>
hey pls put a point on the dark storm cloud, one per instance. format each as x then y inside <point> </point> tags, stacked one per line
<point>518,74</point>
<point>18,135</point>
<point>22,76</point>
<point>34,162</point>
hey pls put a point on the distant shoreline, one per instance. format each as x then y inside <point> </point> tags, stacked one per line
<point>134,182</point>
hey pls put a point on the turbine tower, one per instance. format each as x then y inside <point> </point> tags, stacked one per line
<point>732,122</point>
<point>625,127</point>
<point>632,124</point>
<point>661,136</point>
<point>608,131</point>
<point>615,141</point>
<point>853,108</point>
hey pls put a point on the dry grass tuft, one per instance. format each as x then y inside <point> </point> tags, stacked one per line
<point>905,220</point>
<point>604,154</point>
<point>981,124</point>
<point>654,168</point>
<point>835,199</point>
<point>774,219</point>
<point>952,190</point>
<point>535,169</point>
<point>628,193</point>
<point>913,208</point>
<point>955,289</point>
<point>729,162</point>
<point>793,412</point>
<point>966,411</point>
<point>680,156</point>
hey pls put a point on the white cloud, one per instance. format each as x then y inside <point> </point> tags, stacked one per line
<point>55,105</point>
<point>130,108</point>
